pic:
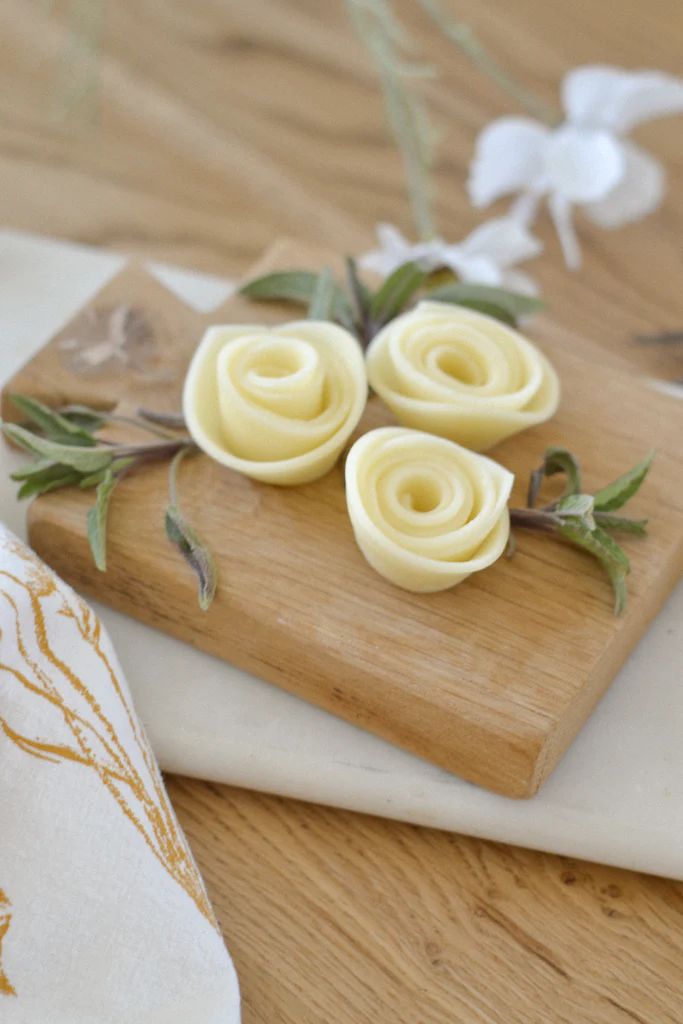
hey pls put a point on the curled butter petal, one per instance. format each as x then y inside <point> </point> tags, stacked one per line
<point>425,512</point>
<point>461,374</point>
<point>277,404</point>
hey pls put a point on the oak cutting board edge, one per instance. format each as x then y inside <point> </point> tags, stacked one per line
<point>636,623</point>
<point>432,728</point>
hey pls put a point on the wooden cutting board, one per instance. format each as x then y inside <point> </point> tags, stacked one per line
<point>491,680</point>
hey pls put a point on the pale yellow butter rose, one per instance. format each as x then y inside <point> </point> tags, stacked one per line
<point>426,513</point>
<point>461,374</point>
<point>277,404</point>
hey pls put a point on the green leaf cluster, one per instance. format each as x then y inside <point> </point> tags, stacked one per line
<point>364,310</point>
<point>66,453</point>
<point>588,521</point>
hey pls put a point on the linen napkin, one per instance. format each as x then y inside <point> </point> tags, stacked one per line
<point>103,914</point>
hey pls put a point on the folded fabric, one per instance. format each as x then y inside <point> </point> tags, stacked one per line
<point>104,917</point>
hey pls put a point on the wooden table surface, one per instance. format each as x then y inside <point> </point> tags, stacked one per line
<point>222,125</point>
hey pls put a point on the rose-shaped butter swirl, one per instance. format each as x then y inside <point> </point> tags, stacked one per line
<point>426,513</point>
<point>461,375</point>
<point>276,404</point>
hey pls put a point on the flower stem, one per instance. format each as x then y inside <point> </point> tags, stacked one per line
<point>386,41</point>
<point>463,37</point>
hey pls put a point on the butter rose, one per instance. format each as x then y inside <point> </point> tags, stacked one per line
<point>461,374</point>
<point>425,512</point>
<point>277,404</point>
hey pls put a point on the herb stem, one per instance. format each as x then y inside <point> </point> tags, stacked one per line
<point>174,420</point>
<point>148,452</point>
<point>151,427</point>
<point>537,519</point>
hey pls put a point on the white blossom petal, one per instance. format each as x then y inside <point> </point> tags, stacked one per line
<point>598,96</point>
<point>561,213</point>
<point>638,193</point>
<point>395,249</point>
<point>516,281</point>
<point>508,158</point>
<point>583,164</point>
<point>504,240</point>
<point>525,207</point>
<point>476,269</point>
<point>392,252</point>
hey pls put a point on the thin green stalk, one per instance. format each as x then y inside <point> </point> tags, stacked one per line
<point>387,44</point>
<point>463,37</point>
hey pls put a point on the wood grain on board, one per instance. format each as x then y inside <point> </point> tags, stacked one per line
<point>490,680</point>
<point>222,126</point>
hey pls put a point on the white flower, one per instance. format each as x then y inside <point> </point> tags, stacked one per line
<point>487,256</point>
<point>394,250</point>
<point>586,161</point>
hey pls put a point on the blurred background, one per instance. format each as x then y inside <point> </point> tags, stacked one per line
<point>196,133</point>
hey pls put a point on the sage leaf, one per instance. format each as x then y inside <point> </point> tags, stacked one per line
<point>97,520</point>
<point>613,559</point>
<point>464,293</point>
<point>93,479</point>
<point>361,297</point>
<point>555,460</point>
<point>489,309</point>
<point>321,306</point>
<point>83,416</point>
<point>624,487</point>
<point>395,292</point>
<point>31,469</point>
<point>84,459</point>
<point>193,549</point>
<point>51,478</point>
<point>283,286</point>
<point>577,506</point>
<point>53,425</point>
<point>296,286</point>
<point>621,524</point>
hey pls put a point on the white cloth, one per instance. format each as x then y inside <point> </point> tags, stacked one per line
<point>103,914</point>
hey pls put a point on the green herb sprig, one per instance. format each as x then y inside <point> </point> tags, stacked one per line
<point>586,520</point>
<point>67,453</point>
<point>364,310</point>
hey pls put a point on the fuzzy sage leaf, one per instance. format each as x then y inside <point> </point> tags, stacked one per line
<point>616,494</point>
<point>187,540</point>
<point>586,520</point>
<point>84,459</point>
<point>321,306</point>
<point>50,478</point>
<point>53,425</point>
<point>498,302</point>
<point>97,520</point>
<point>398,288</point>
<point>599,544</point>
<point>621,524</point>
<point>555,460</point>
<point>296,286</point>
